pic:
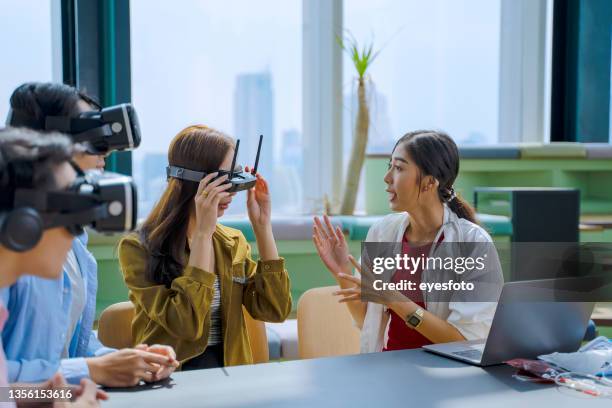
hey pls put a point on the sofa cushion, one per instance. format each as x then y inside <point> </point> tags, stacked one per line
<point>552,150</point>
<point>598,150</point>
<point>490,152</point>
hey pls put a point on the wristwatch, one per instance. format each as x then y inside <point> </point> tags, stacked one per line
<point>415,319</point>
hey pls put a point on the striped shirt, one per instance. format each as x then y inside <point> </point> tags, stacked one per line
<point>215,335</point>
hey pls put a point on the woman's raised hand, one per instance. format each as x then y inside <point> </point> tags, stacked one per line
<point>353,290</point>
<point>207,202</point>
<point>259,204</point>
<point>331,246</point>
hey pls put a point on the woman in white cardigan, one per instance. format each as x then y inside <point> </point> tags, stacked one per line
<point>422,169</point>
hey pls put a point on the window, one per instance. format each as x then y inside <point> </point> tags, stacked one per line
<point>28,35</point>
<point>233,66</point>
<point>438,68</point>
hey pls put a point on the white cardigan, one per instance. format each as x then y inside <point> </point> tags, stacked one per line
<point>472,319</point>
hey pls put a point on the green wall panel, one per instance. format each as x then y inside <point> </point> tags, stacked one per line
<point>592,176</point>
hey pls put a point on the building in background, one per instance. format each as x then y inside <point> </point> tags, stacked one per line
<point>151,180</point>
<point>254,116</point>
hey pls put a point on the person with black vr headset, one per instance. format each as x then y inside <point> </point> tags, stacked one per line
<point>33,169</point>
<point>44,335</point>
<point>190,276</point>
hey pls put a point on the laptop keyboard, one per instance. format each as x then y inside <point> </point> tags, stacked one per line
<point>469,354</point>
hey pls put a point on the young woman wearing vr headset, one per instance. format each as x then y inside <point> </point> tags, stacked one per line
<point>44,335</point>
<point>428,219</point>
<point>189,276</point>
<point>31,161</point>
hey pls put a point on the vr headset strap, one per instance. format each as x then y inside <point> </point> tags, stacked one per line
<point>30,198</point>
<point>184,174</point>
<point>73,126</point>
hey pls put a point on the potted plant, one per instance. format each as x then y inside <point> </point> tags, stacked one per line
<point>362,59</point>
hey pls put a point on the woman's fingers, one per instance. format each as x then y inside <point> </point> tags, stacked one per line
<point>351,298</point>
<point>347,291</point>
<point>150,367</point>
<point>216,199</point>
<point>222,187</point>
<point>263,184</point>
<point>217,182</point>
<point>209,188</point>
<point>204,182</point>
<point>316,231</point>
<point>214,194</point>
<point>101,395</point>
<point>321,228</point>
<point>148,376</point>
<point>355,263</point>
<point>250,195</point>
<point>329,227</point>
<point>89,392</point>
<point>339,235</point>
<point>350,278</point>
<point>163,350</point>
<point>317,244</point>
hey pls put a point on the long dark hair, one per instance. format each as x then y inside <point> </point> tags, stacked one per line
<point>32,102</point>
<point>437,155</point>
<point>164,232</point>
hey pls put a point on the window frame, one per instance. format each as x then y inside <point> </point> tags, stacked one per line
<point>582,70</point>
<point>96,56</point>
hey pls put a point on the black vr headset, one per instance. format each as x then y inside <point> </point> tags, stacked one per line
<point>106,201</point>
<point>103,131</point>
<point>236,176</point>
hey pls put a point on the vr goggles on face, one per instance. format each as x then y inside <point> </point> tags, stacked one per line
<point>105,201</point>
<point>236,176</point>
<point>103,131</point>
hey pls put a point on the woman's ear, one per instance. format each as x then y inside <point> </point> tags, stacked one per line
<point>429,183</point>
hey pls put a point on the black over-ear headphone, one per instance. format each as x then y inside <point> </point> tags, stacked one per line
<point>20,228</point>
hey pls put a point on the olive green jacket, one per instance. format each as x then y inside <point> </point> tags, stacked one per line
<point>179,316</point>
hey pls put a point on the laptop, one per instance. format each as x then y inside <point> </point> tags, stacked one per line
<point>532,318</point>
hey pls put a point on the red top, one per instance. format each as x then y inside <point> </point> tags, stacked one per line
<point>400,335</point>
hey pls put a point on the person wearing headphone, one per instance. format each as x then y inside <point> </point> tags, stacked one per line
<point>428,219</point>
<point>31,161</point>
<point>190,276</point>
<point>43,335</point>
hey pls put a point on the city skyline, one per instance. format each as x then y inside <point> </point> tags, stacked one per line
<point>438,67</point>
<point>253,114</point>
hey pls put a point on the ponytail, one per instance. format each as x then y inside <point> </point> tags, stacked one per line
<point>463,210</point>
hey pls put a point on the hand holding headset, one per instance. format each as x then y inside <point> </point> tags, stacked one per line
<point>239,179</point>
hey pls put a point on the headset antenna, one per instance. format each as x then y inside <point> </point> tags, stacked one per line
<point>257,157</point>
<point>231,175</point>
